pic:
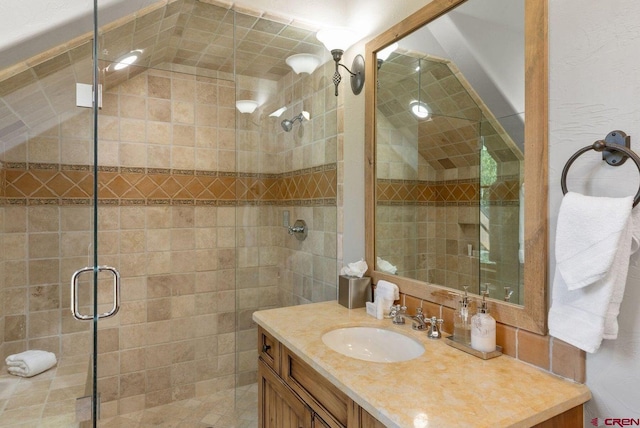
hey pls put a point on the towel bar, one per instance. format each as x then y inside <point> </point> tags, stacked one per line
<point>599,146</point>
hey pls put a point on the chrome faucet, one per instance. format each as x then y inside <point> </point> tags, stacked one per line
<point>398,314</point>
<point>419,321</point>
<point>434,330</point>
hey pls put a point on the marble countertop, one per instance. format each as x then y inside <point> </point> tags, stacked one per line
<point>442,387</point>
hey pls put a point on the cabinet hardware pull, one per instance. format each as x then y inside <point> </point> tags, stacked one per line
<point>265,348</point>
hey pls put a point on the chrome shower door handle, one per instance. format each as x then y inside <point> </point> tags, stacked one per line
<point>75,311</point>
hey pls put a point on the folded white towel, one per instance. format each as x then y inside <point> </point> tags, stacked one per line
<point>387,289</point>
<point>585,304</point>
<point>386,292</point>
<point>589,231</point>
<point>30,363</point>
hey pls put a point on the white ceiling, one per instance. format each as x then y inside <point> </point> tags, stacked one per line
<point>30,27</point>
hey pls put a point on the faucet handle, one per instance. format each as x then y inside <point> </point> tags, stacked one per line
<point>419,321</point>
<point>435,324</point>
<point>398,312</point>
<point>393,310</point>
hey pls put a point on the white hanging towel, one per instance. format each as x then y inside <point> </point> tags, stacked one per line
<point>593,245</point>
<point>30,363</point>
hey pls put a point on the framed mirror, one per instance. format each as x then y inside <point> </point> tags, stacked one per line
<point>456,124</point>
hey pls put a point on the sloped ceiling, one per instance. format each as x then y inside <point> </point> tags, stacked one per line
<point>184,33</point>
<point>33,26</point>
<point>449,137</point>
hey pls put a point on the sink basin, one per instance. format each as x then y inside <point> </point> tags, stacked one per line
<point>373,344</point>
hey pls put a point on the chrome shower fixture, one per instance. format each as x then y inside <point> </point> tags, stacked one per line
<point>287,124</point>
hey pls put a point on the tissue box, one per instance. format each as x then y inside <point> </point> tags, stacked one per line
<point>354,292</point>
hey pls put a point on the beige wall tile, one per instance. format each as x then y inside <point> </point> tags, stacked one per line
<point>133,107</point>
<point>45,323</point>
<point>159,87</point>
<point>159,110</point>
<point>133,130</point>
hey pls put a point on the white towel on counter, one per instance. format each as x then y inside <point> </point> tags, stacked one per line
<point>30,363</point>
<point>384,295</point>
<point>387,289</point>
<point>593,245</point>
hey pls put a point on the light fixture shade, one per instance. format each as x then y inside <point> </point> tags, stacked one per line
<point>336,38</point>
<point>384,53</point>
<point>125,60</point>
<point>246,106</point>
<point>278,112</point>
<point>419,109</point>
<point>303,63</point>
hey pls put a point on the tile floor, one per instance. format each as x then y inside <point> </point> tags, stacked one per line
<point>224,409</point>
<point>48,401</point>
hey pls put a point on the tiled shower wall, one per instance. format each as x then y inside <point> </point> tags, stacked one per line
<point>304,160</point>
<point>426,218</point>
<point>192,236</point>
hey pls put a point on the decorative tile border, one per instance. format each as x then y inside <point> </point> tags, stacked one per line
<point>463,192</point>
<point>53,184</point>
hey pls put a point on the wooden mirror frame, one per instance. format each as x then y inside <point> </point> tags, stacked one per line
<point>532,316</point>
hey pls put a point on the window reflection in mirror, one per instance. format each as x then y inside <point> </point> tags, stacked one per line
<point>450,153</point>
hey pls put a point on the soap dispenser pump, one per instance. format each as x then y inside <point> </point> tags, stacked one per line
<point>462,320</point>
<point>483,328</point>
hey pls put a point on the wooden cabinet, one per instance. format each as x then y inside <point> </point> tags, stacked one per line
<point>279,406</point>
<point>327,400</point>
<point>292,394</point>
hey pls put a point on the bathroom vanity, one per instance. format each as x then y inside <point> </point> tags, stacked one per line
<point>305,383</point>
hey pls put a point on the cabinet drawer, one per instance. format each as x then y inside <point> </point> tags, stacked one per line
<point>269,350</point>
<point>325,399</point>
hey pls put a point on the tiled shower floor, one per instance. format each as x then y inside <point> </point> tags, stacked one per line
<point>215,411</point>
<point>48,401</point>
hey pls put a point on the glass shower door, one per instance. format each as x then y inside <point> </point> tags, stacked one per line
<point>95,288</point>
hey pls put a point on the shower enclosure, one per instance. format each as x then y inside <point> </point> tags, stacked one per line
<point>181,194</point>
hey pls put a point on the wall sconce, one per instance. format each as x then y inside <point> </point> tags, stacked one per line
<point>246,106</point>
<point>338,40</point>
<point>303,63</point>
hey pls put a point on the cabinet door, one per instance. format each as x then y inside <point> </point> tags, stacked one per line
<point>322,396</point>
<point>319,423</point>
<point>279,407</point>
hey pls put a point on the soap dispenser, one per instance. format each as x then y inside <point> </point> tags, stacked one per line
<point>462,320</point>
<point>483,328</point>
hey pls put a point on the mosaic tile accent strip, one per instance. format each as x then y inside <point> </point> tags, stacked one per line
<point>43,184</point>
<point>504,191</point>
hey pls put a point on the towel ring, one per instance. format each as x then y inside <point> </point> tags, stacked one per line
<point>599,146</point>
